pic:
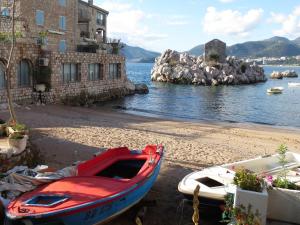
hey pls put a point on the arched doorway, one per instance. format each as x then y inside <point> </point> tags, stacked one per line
<point>24,73</point>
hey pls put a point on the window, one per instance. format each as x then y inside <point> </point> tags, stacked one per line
<point>100,19</point>
<point>39,17</point>
<point>2,76</point>
<point>95,71</point>
<point>62,2</point>
<point>24,73</point>
<point>70,72</point>
<point>114,71</point>
<point>62,22</point>
<point>5,11</point>
<point>62,46</point>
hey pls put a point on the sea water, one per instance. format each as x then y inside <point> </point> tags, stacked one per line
<point>240,103</point>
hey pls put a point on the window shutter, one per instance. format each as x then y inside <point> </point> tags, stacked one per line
<point>39,17</point>
<point>62,46</point>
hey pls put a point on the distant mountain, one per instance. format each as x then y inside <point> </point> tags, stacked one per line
<point>273,47</point>
<point>138,55</point>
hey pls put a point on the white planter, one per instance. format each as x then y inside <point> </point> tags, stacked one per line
<point>18,145</point>
<point>258,201</point>
<point>284,205</point>
<point>40,87</point>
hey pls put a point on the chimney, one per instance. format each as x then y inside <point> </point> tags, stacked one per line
<point>91,2</point>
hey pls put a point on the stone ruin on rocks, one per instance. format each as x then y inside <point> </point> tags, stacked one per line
<point>213,69</point>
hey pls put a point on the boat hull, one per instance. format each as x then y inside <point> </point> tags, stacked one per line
<point>98,214</point>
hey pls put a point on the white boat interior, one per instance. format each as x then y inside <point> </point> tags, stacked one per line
<point>216,182</point>
<point>275,90</point>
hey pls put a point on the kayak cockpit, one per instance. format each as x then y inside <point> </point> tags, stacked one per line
<point>123,169</point>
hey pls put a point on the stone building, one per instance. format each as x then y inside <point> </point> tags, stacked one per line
<point>61,44</point>
<point>215,50</point>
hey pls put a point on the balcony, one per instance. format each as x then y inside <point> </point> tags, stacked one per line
<point>84,17</point>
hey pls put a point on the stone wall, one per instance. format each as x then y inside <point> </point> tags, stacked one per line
<point>58,88</point>
<point>52,12</point>
<point>215,48</point>
<point>61,89</point>
<point>29,52</point>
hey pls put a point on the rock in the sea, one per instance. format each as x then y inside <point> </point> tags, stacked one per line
<point>141,89</point>
<point>287,73</point>
<point>182,68</point>
<point>290,73</point>
<point>276,75</point>
<point>130,87</point>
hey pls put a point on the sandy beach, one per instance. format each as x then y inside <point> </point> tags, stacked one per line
<point>68,134</point>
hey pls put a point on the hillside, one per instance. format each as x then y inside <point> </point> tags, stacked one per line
<point>139,55</point>
<point>273,47</point>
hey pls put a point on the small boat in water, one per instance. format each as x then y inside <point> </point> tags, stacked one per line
<point>105,186</point>
<point>275,90</point>
<point>294,84</point>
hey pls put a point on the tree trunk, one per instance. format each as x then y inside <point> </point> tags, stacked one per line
<point>13,118</point>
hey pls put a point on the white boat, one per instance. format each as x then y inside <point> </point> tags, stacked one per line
<point>216,182</point>
<point>294,84</point>
<point>275,90</point>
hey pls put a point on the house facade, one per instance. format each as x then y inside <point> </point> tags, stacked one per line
<point>61,44</point>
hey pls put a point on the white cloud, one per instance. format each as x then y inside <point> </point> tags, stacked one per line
<point>176,20</point>
<point>231,22</point>
<point>127,22</point>
<point>226,1</point>
<point>290,24</point>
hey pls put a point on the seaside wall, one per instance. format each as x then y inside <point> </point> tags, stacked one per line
<point>61,89</point>
<point>58,88</point>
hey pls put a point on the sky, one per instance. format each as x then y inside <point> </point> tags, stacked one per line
<point>182,24</point>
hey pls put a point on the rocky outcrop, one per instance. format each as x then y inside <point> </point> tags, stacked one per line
<point>290,73</point>
<point>281,75</point>
<point>136,88</point>
<point>141,89</point>
<point>182,68</point>
<point>276,75</point>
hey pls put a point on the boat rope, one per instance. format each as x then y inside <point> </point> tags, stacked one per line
<point>196,205</point>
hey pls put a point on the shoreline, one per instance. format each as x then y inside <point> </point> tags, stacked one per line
<point>248,125</point>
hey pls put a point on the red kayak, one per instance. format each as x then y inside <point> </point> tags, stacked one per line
<point>105,186</point>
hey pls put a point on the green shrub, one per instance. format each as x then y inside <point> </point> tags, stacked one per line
<point>16,136</point>
<point>214,57</point>
<point>247,180</point>
<point>19,127</point>
<point>243,67</point>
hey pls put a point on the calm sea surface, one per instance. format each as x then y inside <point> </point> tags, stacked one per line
<point>245,103</point>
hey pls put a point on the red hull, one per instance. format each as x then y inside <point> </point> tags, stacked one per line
<point>91,185</point>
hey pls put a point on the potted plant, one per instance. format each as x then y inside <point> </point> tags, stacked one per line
<point>2,127</point>
<point>17,127</point>
<point>283,192</point>
<point>251,193</point>
<point>18,141</point>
